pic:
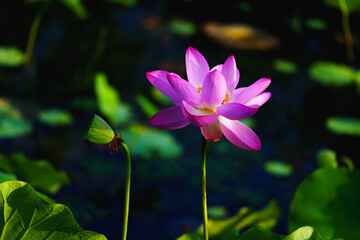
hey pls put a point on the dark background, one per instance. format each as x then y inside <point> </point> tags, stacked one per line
<point>125,43</point>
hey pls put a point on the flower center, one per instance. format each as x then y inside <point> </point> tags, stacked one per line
<point>227,98</point>
<point>199,90</point>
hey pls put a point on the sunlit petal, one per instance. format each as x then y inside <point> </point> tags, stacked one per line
<point>159,80</point>
<point>260,99</point>
<point>169,118</point>
<point>236,111</point>
<point>252,91</point>
<point>198,117</point>
<point>239,134</point>
<point>213,132</point>
<point>184,90</point>
<point>231,73</point>
<point>196,67</point>
<point>214,90</point>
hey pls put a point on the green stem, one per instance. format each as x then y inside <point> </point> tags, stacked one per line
<point>127,189</point>
<point>203,188</point>
<point>347,31</point>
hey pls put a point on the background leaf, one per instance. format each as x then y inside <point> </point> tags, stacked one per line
<point>332,74</point>
<point>344,125</point>
<point>10,56</point>
<point>55,117</point>
<point>108,101</point>
<point>328,200</point>
<point>41,174</point>
<point>27,216</point>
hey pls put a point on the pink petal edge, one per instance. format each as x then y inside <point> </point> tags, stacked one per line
<point>239,134</point>
<point>169,118</point>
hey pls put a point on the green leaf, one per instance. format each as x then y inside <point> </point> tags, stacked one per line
<point>344,125</point>
<point>6,176</point>
<point>259,233</point>
<point>108,101</point>
<point>332,74</point>
<point>316,24</point>
<point>77,7</point>
<point>352,5</point>
<point>40,174</point>
<point>182,27</point>
<point>285,66</point>
<point>126,3</point>
<point>146,105</point>
<point>27,216</point>
<point>10,128</point>
<point>328,200</point>
<point>10,56</point>
<point>99,132</point>
<point>327,158</point>
<point>55,117</point>
<point>278,168</point>
<point>218,228</point>
<point>11,122</point>
<point>149,142</point>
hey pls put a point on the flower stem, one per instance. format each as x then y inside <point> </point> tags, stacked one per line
<point>127,189</point>
<point>203,188</point>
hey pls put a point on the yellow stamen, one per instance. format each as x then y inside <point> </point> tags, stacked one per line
<point>199,90</point>
<point>227,98</point>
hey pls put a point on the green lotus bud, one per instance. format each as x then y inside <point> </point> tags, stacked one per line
<point>99,132</point>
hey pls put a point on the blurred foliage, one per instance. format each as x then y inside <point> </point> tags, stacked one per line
<point>126,3</point>
<point>182,27</point>
<point>285,66</point>
<point>149,142</point>
<point>332,74</point>
<point>217,212</point>
<point>352,5</point>
<point>11,57</point>
<point>146,105</point>
<point>55,117</point>
<point>218,228</point>
<point>6,176</point>
<point>160,98</point>
<point>344,125</point>
<point>12,123</point>
<point>328,200</point>
<point>316,24</point>
<point>327,158</point>
<point>77,7</point>
<point>28,216</point>
<point>260,233</point>
<point>278,168</point>
<point>109,103</point>
<point>40,174</point>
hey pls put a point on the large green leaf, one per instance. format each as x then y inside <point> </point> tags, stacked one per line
<point>332,74</point>
<point>40,174</point>
<point>329,201</point>
<point>344,125</point>
<point>108,101</point>
<point>27,216</point>
<point>246,217</point>
<point>260,233</point>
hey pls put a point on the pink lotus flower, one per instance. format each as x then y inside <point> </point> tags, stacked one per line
<point>210,101</point>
